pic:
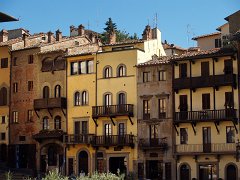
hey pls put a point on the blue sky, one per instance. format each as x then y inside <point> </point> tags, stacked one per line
<point>177,19</point>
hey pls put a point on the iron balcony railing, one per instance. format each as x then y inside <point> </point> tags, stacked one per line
<point>48,103</point>
<point>206,148</point>
<point>78,138</point>
<point>204,115</point>
<point>153,143</point>
<point>112,110</point>
<point>113,140</point>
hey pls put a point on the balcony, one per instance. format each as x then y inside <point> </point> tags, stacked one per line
<point>78,138</point>
<point>205,115</point>
<point>113,140</point>
<point>50,103</point>
<point>112,110</point>
<point>209,81</point>
<point>216,148</point>
<point>153,143</point>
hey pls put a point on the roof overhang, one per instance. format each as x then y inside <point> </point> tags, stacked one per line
<point>6,18</point>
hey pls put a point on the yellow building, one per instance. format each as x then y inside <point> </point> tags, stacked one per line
<point>102,105</point>
<point>206,111</point>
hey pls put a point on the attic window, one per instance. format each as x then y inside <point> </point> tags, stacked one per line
<point>76,43</point>
<point>43,38</point>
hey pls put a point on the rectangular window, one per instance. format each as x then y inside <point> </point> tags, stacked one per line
<point>81,127</point>
<point>15,61</point>
<point>3,119</point>
<point>84,127</point>
<point>183,70</point>
<point>218,43</point>
<point>121,129</point>
<point>205,69</point>
<point>230,134</point>
<point>30,59</point>
<point>206,101</point>
<point>162,108</point>
<point>30,116</point>
<point>228,66</point>
<point>146,76</point>
<point>15,87</point>
<point>30,85</point>
<point>74,68</point>
<point>3,136</point>
<point>229,100</point>
<point>162,76</point>
<point>22,138</point>
<point>89,67</point>
<point>4,63</point>
<point>183,135</point>
<point>146,109</point>
<point>15,117</point>
<point>82,67</point>
<point>108,129</point>
<point>153,131</point>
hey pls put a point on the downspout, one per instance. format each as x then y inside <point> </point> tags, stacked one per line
<point>238,79</point>
<point>9,96</point>
<point>65,148</point>
<point>96,87</point>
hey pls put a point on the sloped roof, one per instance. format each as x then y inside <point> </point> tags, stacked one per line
<point>206,35</point>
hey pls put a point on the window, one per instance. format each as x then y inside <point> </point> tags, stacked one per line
<point>3,96</point>
<point>183,135</point>
<point>15,61</point>
<point>228,66</point>
<point>162,76</point>
<point>230,134</point>
<point>107,72</point>
<point>84,98</point>
<point>77,99</point>
<point>30,85</point>
<point>121,71</point>
<point>22,138</point>
<point>218,43</point>
<point>162,108</point>
<point>204,69</point>
<point>46,92</point>
<point>47,65</point>
<point>146,109</point>
<point>81,127</point>
<point>121,129</point>
<point>183,70</point>
<point>30,59</point>
<point>3,136</point>
<point>59,64</point>
<point>3,119</point>
<point>108,129</point>
<point>206,101</point>
<point>57,122</point>
<point>121,98</point>
<point>45,123</point>
<point>89,67</point>
<point>15,116</point>
<point>15,87</point>
<point>30,116</point>
<point>229,100</point>
<point>146,76</point>
<point>4,63</point>
<point>57,92</point>
<point>153,131</point>
<point>74,68</point>
<point>82,67</point>
<point>108,99</point>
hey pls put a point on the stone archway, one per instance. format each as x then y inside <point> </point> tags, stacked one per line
<point>184,172</point>
<point>231,172</point>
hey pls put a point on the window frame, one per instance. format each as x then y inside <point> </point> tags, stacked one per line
<point>4,63</point>
<point>121,70</point>
<point>233,136</point>
<point>77,98</point>
<point>183,137</point>
<point>162,108</point>
<point>15,116</point>
<point>84,98</point>
<point>162,75</point>
<point>146,109</point>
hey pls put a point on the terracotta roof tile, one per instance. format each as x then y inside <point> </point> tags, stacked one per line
<point>125,42</point>
<point>206,35</point>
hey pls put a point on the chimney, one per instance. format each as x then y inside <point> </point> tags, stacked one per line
<point>92,38</point>
<point>24,38</point>
<point>58,35</point>
<point>147,33</point>
<point>112,37</point>
<point>50,37</point>
<point>81,30</point>
<point>3,35</point>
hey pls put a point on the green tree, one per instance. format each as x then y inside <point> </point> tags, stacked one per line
<point>110,26</point>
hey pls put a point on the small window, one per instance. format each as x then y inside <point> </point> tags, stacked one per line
<point>45,123</point>
<point>107,72</point>
<point>108,129</point>
<point>30,85</point>
<point>3,119</point>
<point>82,67</point>
<point>229,103</point>
<point>15,87</point>
<point>153,131</point>
<point>230,133</point>
<point>89,67</point>
<point>107,99</point>
<point>146,109</point>
<point>77,99</point>
<point>121,129</point>
<point>30,116</point>
<point>84,98</point>
<point>183,135</point>
<point>15,116</point>
<point>22,138</point>
<point>162,108</point>
<point>57,122</point>
<point>183,70</point>
<point>228,66</point>
<point>121,71</point>
<point>74,68</point>
<point>15,61</point>
<point>146,76</point>
<point>30,59</point>
<point>4,63</point>
<point>46,92</point>
<point>218,43</point>
<point>162,76</point>
<point>76,43</point>
<point>3,136</point>
<point>206,101</point>
<point>57,92</point>
<point>3,96</point>
<point>43,38</point>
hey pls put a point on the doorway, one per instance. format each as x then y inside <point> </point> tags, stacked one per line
<point>154,169</point>
<point>206,139</point>
<point>83,162</point>
<point>185,172</point>
<point>208,172</point>
<point>116,163</point>
<point>231,172</point>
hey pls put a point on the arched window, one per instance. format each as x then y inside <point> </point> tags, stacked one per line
<point>107,99</point>
<point>45,123</point>
<point>121,98</point>
<point>107,72</point>
<point>57,122</point>
<point>3,96</point>
<point>185,172</point>
<point>46,92</point>
<point>59,64</point>
<point>84,98</point>
<point>121,71</point>
<point>57,92</point>
<point>47,65</point>
<point>77,99</point>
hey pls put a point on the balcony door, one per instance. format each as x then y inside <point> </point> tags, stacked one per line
<point>206,139</point>
<point>183,107</point>
<point>108,133</point>
<point>121,102</point>
<point>153,135</point>
<point>205,69</point>
<point>107,103</point>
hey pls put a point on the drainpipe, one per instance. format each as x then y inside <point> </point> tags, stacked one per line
<point>96,87</point>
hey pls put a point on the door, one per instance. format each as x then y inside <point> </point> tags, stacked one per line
<point>121,103</point>
<point>108,133</point>
<point>43,164</point>
<point>228,66</point>
<point>116,163</point>
<point>121,133</point>
<point>205,69</point>
<point>183,70</point>
<point>208,172</point>
<point>183,107</point>
<point>231,172</point>
<point>184,172</point>
<point>206,139</point>
<point>154,169</point>
<point>83,162</point>
<point>107,103</point>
